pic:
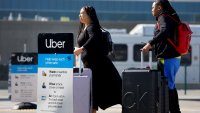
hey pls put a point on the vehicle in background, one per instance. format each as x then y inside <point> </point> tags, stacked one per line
<point>127,52</point>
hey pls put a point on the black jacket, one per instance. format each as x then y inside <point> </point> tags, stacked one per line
<point>107,83</point>
<point>165,28</point>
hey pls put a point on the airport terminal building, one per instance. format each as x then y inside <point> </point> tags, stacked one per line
<point>107,10</point>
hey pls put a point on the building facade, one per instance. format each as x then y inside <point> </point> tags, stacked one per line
<point>107,10</point>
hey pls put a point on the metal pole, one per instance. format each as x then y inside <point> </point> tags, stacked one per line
<point>185,67</point>
<point>150,59</point>
<point>25,47</point>
<point>142,60</point>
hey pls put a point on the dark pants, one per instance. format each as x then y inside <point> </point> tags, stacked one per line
<point>173,101</point>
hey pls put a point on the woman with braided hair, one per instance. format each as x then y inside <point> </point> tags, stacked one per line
<point>168,58</point>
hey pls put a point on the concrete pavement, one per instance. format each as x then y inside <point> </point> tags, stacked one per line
<point>190,103</point>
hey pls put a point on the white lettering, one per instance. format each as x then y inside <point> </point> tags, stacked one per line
<point>24,59</point>
<point>54,44</point>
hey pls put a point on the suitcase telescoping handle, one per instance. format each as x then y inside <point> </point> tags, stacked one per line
<point>80,64</point>
<point>150,59</point>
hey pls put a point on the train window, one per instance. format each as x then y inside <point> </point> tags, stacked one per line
<point>137,53</point>
<point>120,52</point>
<point>186,59</point>
<point>3,72</point>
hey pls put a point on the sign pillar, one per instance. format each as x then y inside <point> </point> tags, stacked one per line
<point>55,73</point>
<point>23,72</point>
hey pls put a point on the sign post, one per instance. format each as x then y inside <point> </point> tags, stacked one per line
<point>55,73</point>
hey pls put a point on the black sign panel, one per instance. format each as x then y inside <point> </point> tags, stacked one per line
<point>24,58</point>
<point>55,43</point>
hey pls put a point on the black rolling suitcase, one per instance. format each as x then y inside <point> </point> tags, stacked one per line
<point>144,90</point>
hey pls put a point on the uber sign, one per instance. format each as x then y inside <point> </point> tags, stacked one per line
<point>55,43</point>
<point>55,73</point>
<point>23,75</point>
<point>24,58</point>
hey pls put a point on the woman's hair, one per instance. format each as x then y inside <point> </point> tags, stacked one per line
<point>92,15</point>
<point>166,6</point>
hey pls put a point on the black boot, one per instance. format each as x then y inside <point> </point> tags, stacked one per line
<point>173,101</point>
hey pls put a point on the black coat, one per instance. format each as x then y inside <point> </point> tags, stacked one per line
<point>106,79</point>
<point>165,28</point>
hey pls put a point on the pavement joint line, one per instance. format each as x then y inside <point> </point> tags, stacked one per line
<point>187,99</point>
<point>21,110</point>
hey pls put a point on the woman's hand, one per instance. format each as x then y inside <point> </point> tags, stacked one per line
<point>146,48</point>
<point>78,50</point>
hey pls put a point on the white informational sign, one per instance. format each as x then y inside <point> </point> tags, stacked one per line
<point>55,73</point>
<point>23,72</point>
